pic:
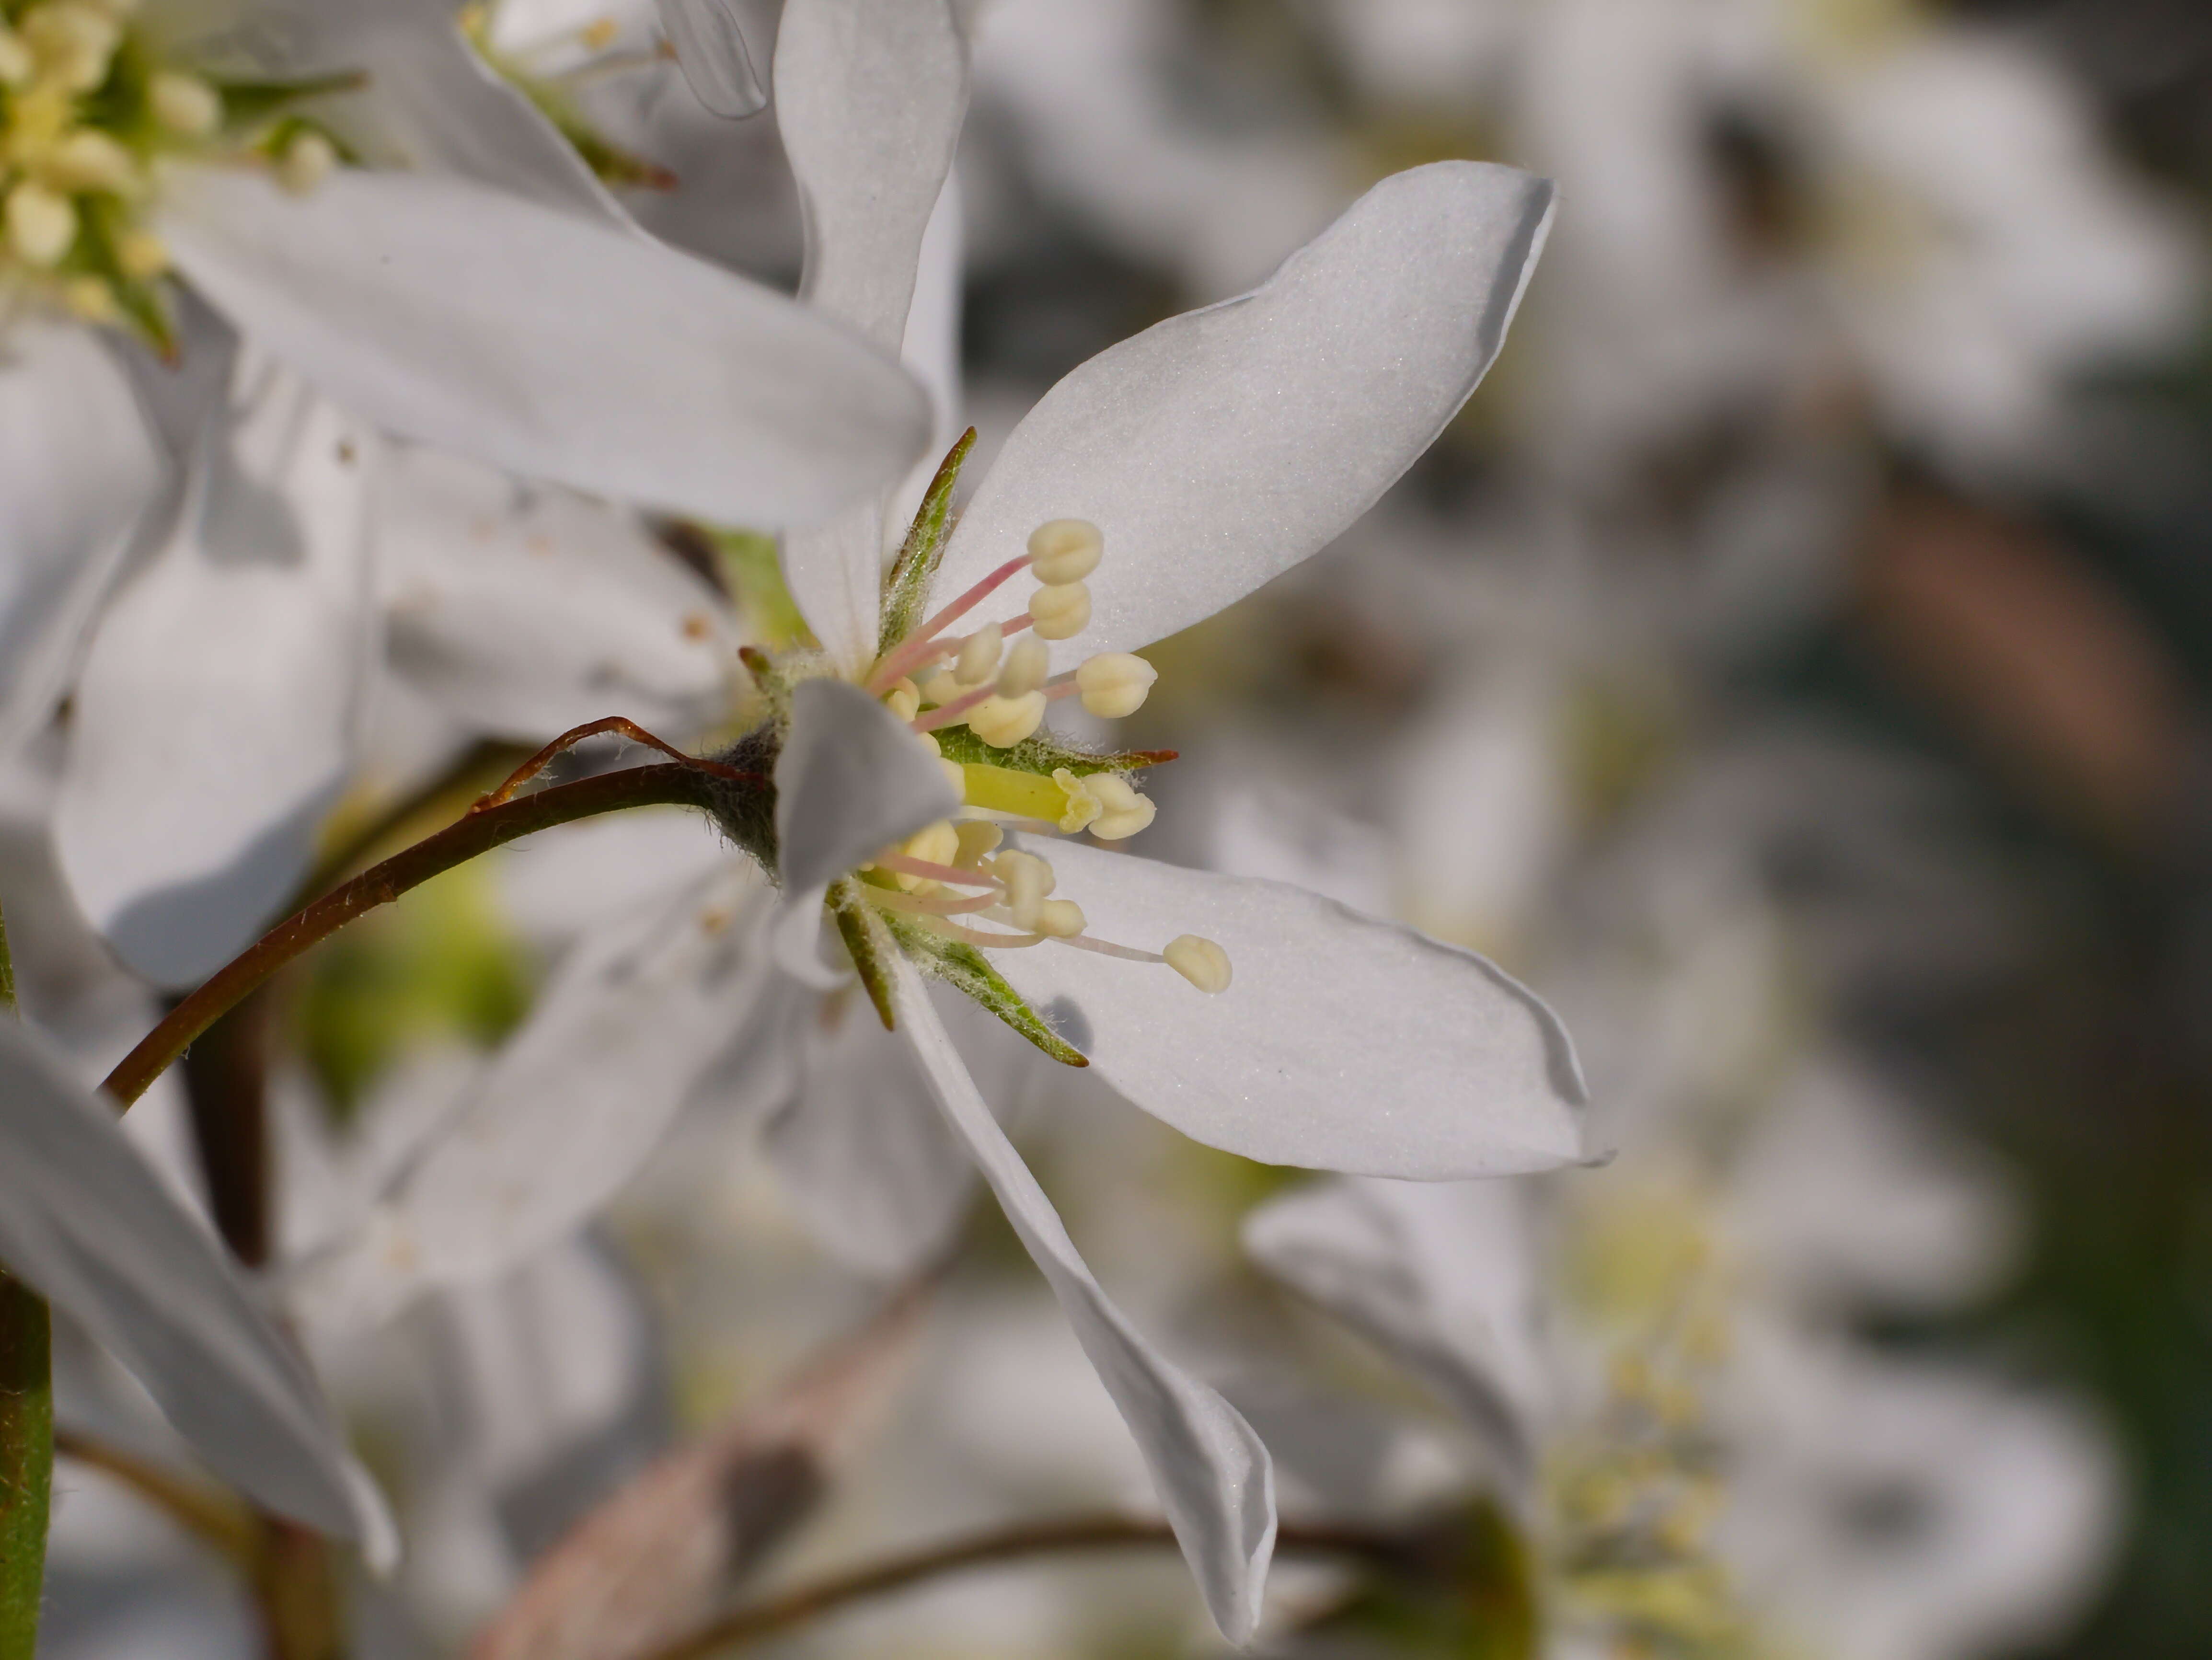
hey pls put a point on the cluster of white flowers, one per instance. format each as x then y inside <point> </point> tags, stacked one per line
<point>357,440</point>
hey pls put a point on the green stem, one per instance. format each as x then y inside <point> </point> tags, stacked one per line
<point>26,1434</point>
<point>478,833</point>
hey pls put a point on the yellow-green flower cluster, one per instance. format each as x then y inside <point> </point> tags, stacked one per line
<point>86,114</point>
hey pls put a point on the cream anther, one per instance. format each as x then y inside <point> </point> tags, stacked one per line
<point>1060,918</point>
<point>72,43</point>
<point>940,688</point>
<point>1002,723</point>
<point>1201,962</point>
<point>88,160</point>
<point>1114,684</point>
<point>1027,880</point>
<point>979,839</point>
<point>1061,611</point>
<point>933,844</point>
<point>307,162</point>
<point>1065,550</point>
<point>1122,810</point>
<point>41,225</point>
<point>978,655</point>
<point>1027,666</point>
<point>185,104</point>
<point>903,700</point>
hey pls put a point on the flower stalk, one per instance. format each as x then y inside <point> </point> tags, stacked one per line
<point>671,785</point>
<point>26,1434</point>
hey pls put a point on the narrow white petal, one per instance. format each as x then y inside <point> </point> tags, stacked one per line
<point>79,468</point>
<point>862,1151</point>
<point>524,611</point>
<point>1210,1471</point>
<point>217,712</point>
<point>579,1098</point>
<point>1439,1274</point>
<point>851,780</point>
<point>836,574</point>
<point>551,346</point>
<point>1219,448</point>
<point>710,49</point>
<point>86,1220</point>
<point>869,97</point>
<point>1342,1043</point>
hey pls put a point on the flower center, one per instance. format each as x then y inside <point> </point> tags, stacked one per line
<point>992,698</point>
<point>86,113</point>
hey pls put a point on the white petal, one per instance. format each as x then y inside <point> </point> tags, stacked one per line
<point>869,97</point>
<point>579,1098</point>
<point>84,1219</point>
<point>525,612</point>
<point>1439,1274</point>
<point>219,706</point>
<point>861,1150</point>
<point>1219,448</point>
<point>710,49</point>
<point>1210,1469</point>
<point>1342,1043</point>
<point>556,347</point>
<point>850,780</point>
<point>78,470</point>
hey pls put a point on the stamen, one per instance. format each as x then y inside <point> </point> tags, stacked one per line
<point>1027,880</point>
<point>1061,611</point>
<point>909,650</point>
<point>1027,666</point>
<point>1200,961</point>
<point>930,871</point>
<point>979,656</point>
<point>1114,684</point>
<point>916,905</point>
<point>978,936</point>
<point>1003,723</point>
<point>979,839</point>
<point>903,699</point>
<point>1067,550</point>
<point>952,713</point>
<point>1122,810</point>
<point>1108,948</point>
<point>185,104</point>
<point>307,162</point>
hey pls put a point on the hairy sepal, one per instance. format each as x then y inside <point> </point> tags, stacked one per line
<point>905,590</point>
<point>1044,752</point>
<point>870,940</point>
<point>968,971</point>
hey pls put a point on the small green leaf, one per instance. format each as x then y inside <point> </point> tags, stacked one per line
<point>861,926</point>
<point>1044,752</point>
<point>966,969</point>
<point>905,590</point>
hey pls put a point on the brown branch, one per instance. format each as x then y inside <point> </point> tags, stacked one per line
<point>212,1516</point>
<point>458,843</point>
<point>998,1545</point>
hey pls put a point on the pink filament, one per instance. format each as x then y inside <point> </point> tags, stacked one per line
<point>911,650</point>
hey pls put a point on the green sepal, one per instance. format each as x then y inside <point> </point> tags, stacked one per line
<point>905,590</point>
<point>861,926</point>
<point>1044,752</point>
<point>966,969</point>
<point>247,104</point>
<point>102,221</point>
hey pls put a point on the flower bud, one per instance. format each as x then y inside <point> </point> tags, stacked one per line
<point>1114,684</point>
<point>185,104</point>
<point>1061,611</point>
<point>1065,550</point>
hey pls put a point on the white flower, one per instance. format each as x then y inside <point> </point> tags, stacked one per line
<point>85,1220</point>
<point>494,300</point>
<point>1696,1463</point>
<point>1209,453</point>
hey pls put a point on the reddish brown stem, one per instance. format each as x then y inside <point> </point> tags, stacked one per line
<point>687,785</point>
